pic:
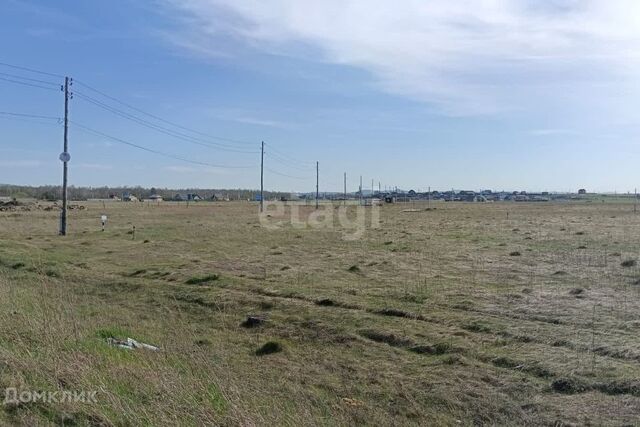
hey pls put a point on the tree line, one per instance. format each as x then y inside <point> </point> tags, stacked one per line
<point>54,192</point>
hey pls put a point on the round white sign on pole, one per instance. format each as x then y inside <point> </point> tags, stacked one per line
<point>65,157</point>
<point>103,218</point>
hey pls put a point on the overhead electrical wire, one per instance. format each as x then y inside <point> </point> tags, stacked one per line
<point>34,116</point>
<point>151,150</point>
<point>31,70</point>
<point>286,156</point>
<point>28,84</point>
<point>153,116</point>
<point>239,146</point>
<point>15,76</point>
<point>158,128</point>
<point>286,175</point>
<point>284,162</point>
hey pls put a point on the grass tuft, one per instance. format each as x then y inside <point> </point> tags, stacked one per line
<point>270,347</point>
<point>628,263</point>
<point>201,280</point>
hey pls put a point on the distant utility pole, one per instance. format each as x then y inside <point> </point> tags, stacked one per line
<point>317,182</point>
<point>360,189</point>
<point>64,157</point>
<point>345,189</point>
<point>379,187</point>
<point>635,201</point>
<point>429,197</point>
<point>372,188</point>
<point>262,177</point>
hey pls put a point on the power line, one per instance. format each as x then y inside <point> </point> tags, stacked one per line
<point>151,150</point>
<point>283,157</point>
<point>29,120</point>
<point>285,163</point>
<point>31,70</point>
<point>15,76</point>
<point>35,116</point>
<point>275,154</point>
<point>236,141</point>
<point>285,175</point>
<point>28,84</point>
<point>292,159</point>
<point>158,128</point>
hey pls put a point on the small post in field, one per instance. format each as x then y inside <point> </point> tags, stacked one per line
<point>345,189</point>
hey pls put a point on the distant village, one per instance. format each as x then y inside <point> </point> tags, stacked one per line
<point>388,197</point>
<point>139,194</point>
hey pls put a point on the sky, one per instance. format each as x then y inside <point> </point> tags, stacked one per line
<point>528,95</point>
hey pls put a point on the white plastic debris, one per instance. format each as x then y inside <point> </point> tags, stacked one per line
<point>130,344</point>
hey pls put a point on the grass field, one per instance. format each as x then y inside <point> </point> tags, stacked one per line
<point>467,314</point>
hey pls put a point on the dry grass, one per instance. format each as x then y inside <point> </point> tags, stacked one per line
<point>428,319</point>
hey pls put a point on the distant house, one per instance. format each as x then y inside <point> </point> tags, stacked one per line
<point>128,197</point>
<point>582,191</point>
<point>188,197</point>
<point>155,198</point>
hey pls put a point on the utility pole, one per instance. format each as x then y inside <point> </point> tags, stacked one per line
<point>64,157</point>
<point>317,181</point>
<point>372,188</point>
<point>360,189</point>
<point>262,177</point>
<point>635,200</point>
<point>345,189</point>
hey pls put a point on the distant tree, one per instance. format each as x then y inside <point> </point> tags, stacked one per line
<point>48,195</point>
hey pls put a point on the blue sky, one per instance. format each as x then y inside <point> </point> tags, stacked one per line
<point>526,95</point>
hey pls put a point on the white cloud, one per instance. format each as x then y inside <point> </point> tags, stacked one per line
<point>464,57</point>
<point>248,117</point>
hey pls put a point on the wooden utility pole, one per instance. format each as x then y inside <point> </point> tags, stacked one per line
<point>262,177</point>
<point>345,189</point>
<point>64,157</point>
<point>317,182</point>
<point>360,189</point>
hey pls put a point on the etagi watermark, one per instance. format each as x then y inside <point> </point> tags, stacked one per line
<point>13,396</point>
<point>351,220</point>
